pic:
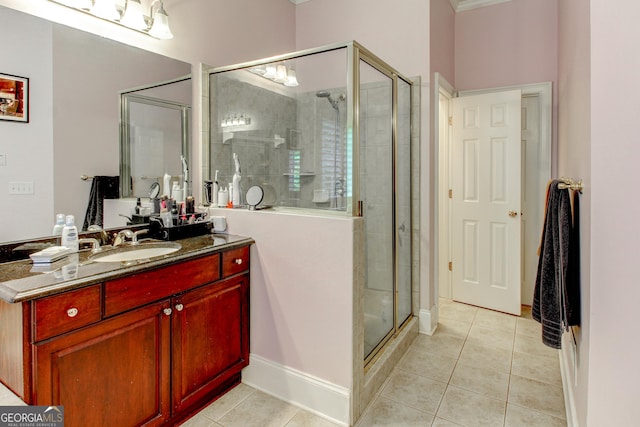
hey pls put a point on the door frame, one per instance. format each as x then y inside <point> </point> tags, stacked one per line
<point>441,176</point>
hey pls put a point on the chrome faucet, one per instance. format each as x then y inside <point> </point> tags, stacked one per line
<point>95,244</point>
<point>122,236</point>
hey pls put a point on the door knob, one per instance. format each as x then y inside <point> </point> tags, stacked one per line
<point>513,214</point>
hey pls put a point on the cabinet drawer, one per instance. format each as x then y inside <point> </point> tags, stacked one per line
<point>134,291</point>
<point>235,261</point>
<point>62,313</point>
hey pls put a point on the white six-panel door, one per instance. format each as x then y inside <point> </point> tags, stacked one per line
<point>486,183</point>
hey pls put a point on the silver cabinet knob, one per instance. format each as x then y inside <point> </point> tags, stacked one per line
<point>167,311</point>
<point>72,312</point>
<point>238,261</point>
<point>179,307</point>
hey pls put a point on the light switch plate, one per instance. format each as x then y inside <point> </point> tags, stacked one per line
<point>21,187</point>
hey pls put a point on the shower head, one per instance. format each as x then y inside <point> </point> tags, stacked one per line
<point>333,102</point>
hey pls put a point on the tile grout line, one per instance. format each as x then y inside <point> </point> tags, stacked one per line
<point>451,375</point>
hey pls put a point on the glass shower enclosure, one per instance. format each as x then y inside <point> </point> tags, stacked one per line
<point>327,131</point>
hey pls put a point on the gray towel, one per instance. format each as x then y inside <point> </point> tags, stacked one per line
<point>549,302</point>
<point>102,187</point>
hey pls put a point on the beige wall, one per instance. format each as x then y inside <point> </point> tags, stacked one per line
<point>614,345</point>
<point>28,147</point>
<point>574,160</point>
<point>442,40</point>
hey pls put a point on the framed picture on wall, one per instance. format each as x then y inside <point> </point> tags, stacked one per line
<point>14,98</point>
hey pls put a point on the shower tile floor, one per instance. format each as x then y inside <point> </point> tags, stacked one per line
<point>480,368</point>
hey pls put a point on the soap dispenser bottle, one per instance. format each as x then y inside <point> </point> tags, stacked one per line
<point>57,229</point>
<point>70,234</point>
<point>236,196</point>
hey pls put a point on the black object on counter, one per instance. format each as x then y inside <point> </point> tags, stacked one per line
<point>158,231</point>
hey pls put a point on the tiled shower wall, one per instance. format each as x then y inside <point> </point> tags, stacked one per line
<point>282,129</point>
<point>263,155</point>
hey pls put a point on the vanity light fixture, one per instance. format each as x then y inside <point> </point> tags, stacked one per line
<point>234,120</point>
<point>160,27</point>
<point>133,16</point>
<point>105,9</point>
<point>278,73</point>
<point>270,72</point>
<point>292,80</point>
<point>130,15</point>
<point>78,4</point>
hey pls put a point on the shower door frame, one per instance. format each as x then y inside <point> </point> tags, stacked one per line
<point>353,201</point>
<point>359,53</point>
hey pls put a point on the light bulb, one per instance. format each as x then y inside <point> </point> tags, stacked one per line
<point>271,71</point>
<point>292,80</point>
<point>133,17</point>
<point>78,4</point>
<point>281,74</point>
<point>105,9</point>
<point>160,28</point>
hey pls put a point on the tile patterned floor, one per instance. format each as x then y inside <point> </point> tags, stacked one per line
<point>480,368</point>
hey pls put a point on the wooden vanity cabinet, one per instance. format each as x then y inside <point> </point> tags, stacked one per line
<point>209,339</point>
<point>114,373</point>
<point>157,362</point>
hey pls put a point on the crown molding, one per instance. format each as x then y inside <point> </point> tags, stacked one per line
<point>462,5</point>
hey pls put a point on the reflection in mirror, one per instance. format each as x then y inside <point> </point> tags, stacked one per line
<point>155,138</point>
<point>290,135</point>
<point>76,79</point>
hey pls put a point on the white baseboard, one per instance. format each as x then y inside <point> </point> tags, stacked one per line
<point>428,320</point>
<point>567,364</point>
<point>313,394</point>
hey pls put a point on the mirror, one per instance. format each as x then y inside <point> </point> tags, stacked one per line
<point>155,135</point>
<point>76,81</point>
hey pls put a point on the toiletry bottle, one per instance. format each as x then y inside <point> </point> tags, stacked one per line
<point>230,201</point>
<point>166,189</point>
<point>176,192</point>
<point>223,198</point>
<point>70,234</point>
<point>57,229</point>
<point>236,196</point>
<point>214,192</point>
<point>138,206</point>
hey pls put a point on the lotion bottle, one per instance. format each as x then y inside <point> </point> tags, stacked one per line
<point>70,234</point>
<point>57,229</point>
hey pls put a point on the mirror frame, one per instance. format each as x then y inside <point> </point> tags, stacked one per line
<point>126,98</point>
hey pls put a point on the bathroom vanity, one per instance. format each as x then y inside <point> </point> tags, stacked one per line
<point>127,345</point>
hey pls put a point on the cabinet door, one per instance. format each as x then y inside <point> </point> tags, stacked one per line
<point>210,339</point>
<point>115,373</point>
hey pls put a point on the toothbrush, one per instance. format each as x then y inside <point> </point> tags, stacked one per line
<point>185,174</point>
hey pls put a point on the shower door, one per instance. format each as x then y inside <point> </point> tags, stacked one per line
<point>385,192</point>
<point>376,192</point>
<point>404,252</point>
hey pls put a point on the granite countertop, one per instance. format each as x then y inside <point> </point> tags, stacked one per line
<point>22,280</point>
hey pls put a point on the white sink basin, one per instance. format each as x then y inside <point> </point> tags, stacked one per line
<point>137,252</point>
